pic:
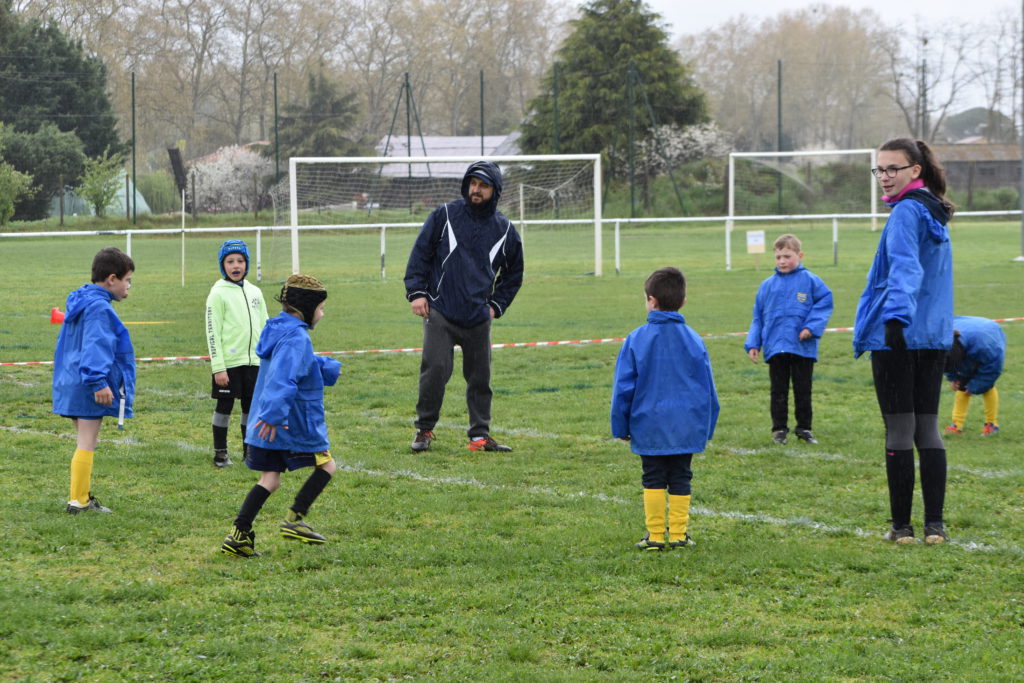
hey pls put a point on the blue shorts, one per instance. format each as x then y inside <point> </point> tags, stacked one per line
<point>269,460</point>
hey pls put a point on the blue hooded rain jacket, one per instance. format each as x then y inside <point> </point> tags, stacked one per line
<point>664,396</point>
<point>984,345</point>
<point>93,351</point>
<point>290,388</point>
<point>787,303</point>
<point>911,279</point>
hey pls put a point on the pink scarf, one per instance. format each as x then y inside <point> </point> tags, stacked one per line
<point>912,185</point>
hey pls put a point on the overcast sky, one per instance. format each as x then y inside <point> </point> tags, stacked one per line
<point>690,16</point>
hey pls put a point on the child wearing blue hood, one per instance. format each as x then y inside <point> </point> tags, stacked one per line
<point>235,314</point>
<point>287,426</point>
<point>905,319</point>
<point>791,310</point>
<point>973,365</point>
<point>94,367</point>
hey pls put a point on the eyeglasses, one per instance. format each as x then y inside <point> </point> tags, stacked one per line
<point>889,172</point>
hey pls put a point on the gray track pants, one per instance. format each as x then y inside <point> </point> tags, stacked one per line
<point>439,340</point>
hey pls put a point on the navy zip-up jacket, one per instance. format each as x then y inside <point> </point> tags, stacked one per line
<point>465,260</point>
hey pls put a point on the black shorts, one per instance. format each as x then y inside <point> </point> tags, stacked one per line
<point>241,383</point>
<point>271,460</point>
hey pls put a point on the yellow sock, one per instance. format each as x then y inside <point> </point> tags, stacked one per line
<point>960,403</point>
<point>678,517</point>
<point>654,513</point>
<point>81,477</point>
<point>991,399</point>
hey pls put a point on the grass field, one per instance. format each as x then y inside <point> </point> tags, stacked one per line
<point>454,565</point>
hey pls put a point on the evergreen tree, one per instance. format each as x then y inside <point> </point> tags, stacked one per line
<point>48,78</point>
<point>611,38</point>
<point>322,125</point>
<point>53,158</point>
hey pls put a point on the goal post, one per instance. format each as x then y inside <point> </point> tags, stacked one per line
<point>776,163</point>
<point>367,192</point>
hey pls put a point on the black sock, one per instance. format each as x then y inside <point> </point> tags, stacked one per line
<point>933,482</point>
<point>251,507</point>
<point>313,487</point>
<point>220,438</point>
<point>899,470</point>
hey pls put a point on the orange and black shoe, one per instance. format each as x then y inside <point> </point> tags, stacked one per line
<point>990,429</point>
<point>486,443</point>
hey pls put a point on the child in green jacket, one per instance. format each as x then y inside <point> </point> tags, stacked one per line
<point>235,315</point>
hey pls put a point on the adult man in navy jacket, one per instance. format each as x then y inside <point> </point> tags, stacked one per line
<point>464,270</point>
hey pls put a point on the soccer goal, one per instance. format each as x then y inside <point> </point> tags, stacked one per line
<point>815,183</point>
<point>539,192</point>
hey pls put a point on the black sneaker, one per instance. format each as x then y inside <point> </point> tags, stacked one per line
<point>92,506</point>
<point>486,443</point>
<point>422,440</point>
<point>684,542</point>
<point>805,435</point>
<point>221,459</point>
<point>240,543</point>
<point>935,533</point>
<point>300,531</point>
<point>903,535</point>
<point>779,436</point>
<point>646,543</point>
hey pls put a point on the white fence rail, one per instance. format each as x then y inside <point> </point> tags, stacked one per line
<point>616,223</point>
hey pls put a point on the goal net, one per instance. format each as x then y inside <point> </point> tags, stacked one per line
<point>362,193</point>
<point>807,184</point>
<point>825,182</point>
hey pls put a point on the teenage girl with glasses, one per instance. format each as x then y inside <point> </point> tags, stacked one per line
<point>905,319</point>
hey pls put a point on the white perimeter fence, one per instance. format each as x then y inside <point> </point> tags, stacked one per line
<point>617,223</point>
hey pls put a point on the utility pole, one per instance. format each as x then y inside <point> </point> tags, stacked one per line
<point>778,137</point>
<point>1020,134</point>
<point>924,91</point>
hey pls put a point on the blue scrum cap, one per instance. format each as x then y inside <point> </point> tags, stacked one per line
<point>232,247</point>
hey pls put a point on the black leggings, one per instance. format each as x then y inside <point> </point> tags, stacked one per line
<point>907,384</point>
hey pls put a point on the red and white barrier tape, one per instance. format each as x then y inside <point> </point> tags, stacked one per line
<point>513,345</point>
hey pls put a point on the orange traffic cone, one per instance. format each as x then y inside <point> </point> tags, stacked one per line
<point>56,317</point>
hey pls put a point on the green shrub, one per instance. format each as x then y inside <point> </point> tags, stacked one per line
<point>160,192</point>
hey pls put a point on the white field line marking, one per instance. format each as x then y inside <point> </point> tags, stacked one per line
<point>532,433</point>
<point>800,455</point>
<point>802,522</point>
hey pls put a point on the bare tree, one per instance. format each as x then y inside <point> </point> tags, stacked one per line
<point>995,66</point>
<point>929,80</point>
<point>831,94</point>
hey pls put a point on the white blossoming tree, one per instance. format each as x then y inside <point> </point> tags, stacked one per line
<point>232,179</point>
